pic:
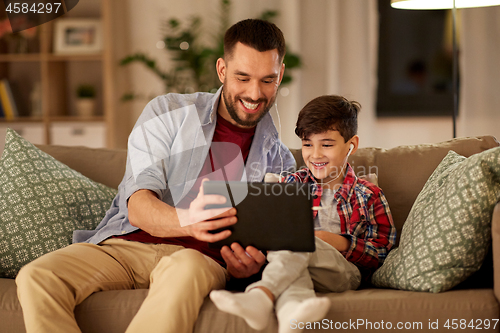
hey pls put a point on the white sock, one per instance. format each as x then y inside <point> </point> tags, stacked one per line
<point>310,310</point>
<point>253,306</point>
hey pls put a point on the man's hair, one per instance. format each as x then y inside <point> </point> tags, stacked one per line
<point>258,34</point>
<point>329,112</point>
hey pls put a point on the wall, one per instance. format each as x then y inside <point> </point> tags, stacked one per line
<point>337,42</point>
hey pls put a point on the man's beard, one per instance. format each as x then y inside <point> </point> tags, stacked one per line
<point>231,108</point>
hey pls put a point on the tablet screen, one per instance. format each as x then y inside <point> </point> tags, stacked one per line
<point>271,216</point>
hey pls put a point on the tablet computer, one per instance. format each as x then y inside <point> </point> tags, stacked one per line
<point>271,216</point>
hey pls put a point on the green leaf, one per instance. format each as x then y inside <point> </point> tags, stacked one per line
<point>292,60</point>
<point>268,15</point>
<point>197,62</point>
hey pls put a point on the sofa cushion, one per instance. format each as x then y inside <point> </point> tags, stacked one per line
<point>377,310</point>
<point>447,233</point>
<point>105,166</point>
<point>41,202</point>
<point>351,311</point>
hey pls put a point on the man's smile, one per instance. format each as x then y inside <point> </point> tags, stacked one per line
<point>250,107</point>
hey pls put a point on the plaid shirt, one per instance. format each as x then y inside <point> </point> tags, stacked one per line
<point>365,218</point>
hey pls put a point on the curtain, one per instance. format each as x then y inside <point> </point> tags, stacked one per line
<point>479,112</point>
<point>337,41</point>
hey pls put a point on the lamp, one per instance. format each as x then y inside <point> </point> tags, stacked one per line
<point>447,4</point>
<point>442,4</point>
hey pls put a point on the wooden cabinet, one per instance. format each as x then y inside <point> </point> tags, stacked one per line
<point>44,82</point>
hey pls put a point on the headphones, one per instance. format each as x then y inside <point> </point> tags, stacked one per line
<point>351,147</point>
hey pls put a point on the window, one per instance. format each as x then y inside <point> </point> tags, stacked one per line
<point>415,66</point>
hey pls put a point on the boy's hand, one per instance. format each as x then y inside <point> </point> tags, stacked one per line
<point>242,263</point>
<point>339,242</point>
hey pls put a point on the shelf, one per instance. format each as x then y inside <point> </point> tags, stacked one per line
<point>36,57</point>
<point>20,57</point>
<point>74,57</point>
<point>61,119</point>
<point>46,81</point>
<point>22,120</point>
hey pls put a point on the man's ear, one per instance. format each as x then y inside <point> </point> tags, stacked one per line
<point>282,72</point>
<point>221,69</point>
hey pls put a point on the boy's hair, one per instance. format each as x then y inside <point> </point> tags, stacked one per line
<point>329,112</point>
<point>258,34</point>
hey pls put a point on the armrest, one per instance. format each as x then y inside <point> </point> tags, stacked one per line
<point>495,236</point>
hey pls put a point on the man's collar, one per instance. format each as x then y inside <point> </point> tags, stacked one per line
<point>215,105</point>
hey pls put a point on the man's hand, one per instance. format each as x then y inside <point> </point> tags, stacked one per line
<point>202,220</point>
<point>242,263</point>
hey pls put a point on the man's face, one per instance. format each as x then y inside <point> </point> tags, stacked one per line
<point>251,80</point>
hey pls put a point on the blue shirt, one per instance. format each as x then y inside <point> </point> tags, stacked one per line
<point>167,149</point>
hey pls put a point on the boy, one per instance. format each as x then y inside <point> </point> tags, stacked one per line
<point>353,227</point>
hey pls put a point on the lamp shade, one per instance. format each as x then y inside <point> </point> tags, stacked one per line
<point>441,4</point>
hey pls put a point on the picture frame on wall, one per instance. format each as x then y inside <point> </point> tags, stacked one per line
<point>77,36</point>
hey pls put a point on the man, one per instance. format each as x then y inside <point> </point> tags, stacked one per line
<point>155,234</point>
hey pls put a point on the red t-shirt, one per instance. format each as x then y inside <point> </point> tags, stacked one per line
<point>223,163</point>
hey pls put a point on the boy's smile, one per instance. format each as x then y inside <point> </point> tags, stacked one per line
<point>325,156</point>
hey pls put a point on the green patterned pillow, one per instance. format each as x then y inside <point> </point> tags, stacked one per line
<point>447,233</point>
<point>41,202</point>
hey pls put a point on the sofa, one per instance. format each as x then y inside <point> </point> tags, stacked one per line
<point>402,173</point>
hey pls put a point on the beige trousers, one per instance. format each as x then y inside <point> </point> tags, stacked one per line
<point>178,279</point>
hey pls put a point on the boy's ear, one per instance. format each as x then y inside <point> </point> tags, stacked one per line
<point>355,142</point>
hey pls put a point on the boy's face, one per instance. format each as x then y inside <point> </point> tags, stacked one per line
<point>251,80</point>
<point>324,154</point>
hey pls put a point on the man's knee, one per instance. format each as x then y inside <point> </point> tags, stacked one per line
<point>31,271</point>
<point>46,268</point>
<point>191,265</point>
<point>25,274</point>
<point>33,276</point>
<point>185,261</point>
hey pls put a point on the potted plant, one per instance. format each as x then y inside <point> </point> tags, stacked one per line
<point>194,68</point>
<point>85,102</point>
